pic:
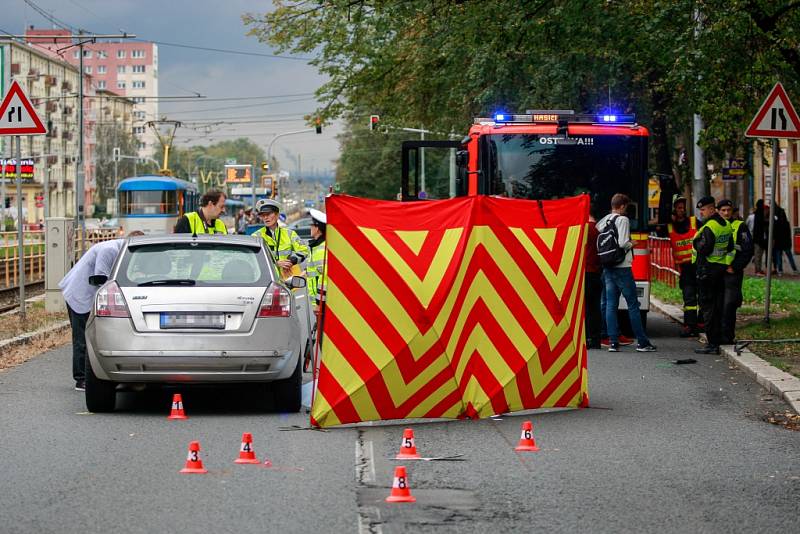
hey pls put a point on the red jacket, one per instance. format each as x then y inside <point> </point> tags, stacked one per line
<point>592,259</point>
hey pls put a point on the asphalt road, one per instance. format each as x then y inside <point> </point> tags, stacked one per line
<point>668,448</point>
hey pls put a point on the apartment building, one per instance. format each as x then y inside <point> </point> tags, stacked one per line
<point>127,68</point>
<point>49,161</point>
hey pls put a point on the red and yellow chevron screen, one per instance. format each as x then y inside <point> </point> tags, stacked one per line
<point>460,308</point>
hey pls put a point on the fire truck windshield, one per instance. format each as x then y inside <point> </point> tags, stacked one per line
<point>540,167</point>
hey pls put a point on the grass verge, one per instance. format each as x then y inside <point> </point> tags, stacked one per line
<point>784,322</point>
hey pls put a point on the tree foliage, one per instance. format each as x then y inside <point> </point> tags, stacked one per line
<point>441,63</point>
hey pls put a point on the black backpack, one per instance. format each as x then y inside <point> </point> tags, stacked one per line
<point>608,249</point>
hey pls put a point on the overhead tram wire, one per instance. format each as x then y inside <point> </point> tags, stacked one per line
<point>226,50</point>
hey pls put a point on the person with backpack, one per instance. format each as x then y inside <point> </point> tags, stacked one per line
<point>710,253</point>
<point>615,250</point>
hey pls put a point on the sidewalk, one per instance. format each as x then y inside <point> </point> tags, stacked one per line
<point>770,378</point>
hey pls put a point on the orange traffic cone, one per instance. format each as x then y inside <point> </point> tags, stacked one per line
<point>401,490</point>
<point>177,408</point>
<point>193,462</point>
<point>526,441</point>
<point>246,453</point>
<point>407,448</point>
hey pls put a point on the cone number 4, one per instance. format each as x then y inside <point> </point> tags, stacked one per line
<point>246,447</point>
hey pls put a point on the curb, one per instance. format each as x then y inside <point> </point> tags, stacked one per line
<point>770,378</point>
<point>24,339</point>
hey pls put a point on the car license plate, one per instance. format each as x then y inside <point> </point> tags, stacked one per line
<point>193,320</point>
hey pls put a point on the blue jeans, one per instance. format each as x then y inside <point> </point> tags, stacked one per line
<point>620,280</point>
<point>777,259</point>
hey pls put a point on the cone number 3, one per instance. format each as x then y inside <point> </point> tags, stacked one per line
<point>192,456</point>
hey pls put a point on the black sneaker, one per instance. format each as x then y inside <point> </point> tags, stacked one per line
<point>646,348</point>
<point>613,347</point>
<point>80,385</point>
<point>708,349</point>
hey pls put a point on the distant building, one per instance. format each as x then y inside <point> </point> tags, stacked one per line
<point>49,160</point>
<point>126,68</point>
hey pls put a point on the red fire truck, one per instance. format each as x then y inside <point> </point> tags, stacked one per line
<point>542,154</point>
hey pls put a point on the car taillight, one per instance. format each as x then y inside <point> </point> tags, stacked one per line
<point>111,302</point>
<point>277,302</point>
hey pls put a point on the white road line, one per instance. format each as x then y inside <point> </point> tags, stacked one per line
<point>369,517</point>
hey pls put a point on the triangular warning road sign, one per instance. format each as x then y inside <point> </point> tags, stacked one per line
<point>17,116</point>
<point>776,118</point>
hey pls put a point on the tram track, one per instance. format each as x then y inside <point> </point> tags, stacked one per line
<point>9,296</point>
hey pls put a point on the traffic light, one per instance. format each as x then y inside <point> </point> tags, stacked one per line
<point>264,166</point>
<point>373,121</point>
<point>318,125</point>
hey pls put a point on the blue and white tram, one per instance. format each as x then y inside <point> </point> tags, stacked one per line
<point>154,203</point>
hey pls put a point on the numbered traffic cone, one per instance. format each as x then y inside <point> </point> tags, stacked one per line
<point>177,408</point>
<point>401,490</point>
<point>407,448</point>
<point>193,462</point>
<point>526,441</point>
<point>246,453</point>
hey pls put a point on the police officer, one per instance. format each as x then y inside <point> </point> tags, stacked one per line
<point>710,251</point>
<point>285,245</point>
<point>315,269</point>
<point>682,231</point>
<point>206,220</point>
<point>738,259</point>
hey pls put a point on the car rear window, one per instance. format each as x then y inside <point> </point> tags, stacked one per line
<point>204,263</point>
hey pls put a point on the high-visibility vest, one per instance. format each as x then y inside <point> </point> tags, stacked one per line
<point>735,224</point>
<point>284,243</point>
<point>317,277</point>
<point>722,235</point>
<point>682,243</point>
<point>198,226</point>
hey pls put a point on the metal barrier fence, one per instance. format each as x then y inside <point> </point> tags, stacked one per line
<point>34,260</point>
<point>662,262</point>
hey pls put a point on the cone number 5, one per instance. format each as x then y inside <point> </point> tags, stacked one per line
<point>408,443</point>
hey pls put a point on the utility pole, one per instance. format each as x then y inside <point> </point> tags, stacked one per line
<point>699,181</point>
<point>79,171</point>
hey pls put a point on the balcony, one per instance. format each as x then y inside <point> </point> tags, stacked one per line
<point>49,81</point>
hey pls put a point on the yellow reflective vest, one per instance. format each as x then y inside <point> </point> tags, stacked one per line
<point>317,277</point>
<point>198,226</point>
<point>284,243</point>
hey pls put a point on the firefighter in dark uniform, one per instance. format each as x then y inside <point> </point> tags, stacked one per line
<point>682,231</point>
<point>738,259</point>
<point>710,251</point>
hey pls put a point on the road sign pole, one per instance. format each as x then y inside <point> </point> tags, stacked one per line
<point>21,244</point>
<point>773,179</point>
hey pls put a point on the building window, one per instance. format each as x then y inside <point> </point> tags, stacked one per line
<point>138,84</point>
<point>137,53</point>
<point>102,54</point>
<point>138,100</point>
<point>76,54</point>
<point>87,69</point>
<point>139,115</point>
<point>101,84</point>
<point>120,54</point>
<point>142,146</point>
<point>87,54</point>
<point>120,84</point>
<point>101,69</point>
<point>138,130</point>
<point>120,69</point>
<point>138,69</point>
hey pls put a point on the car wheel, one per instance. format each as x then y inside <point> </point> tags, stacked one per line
<point>101,395</point>
<point>287,391</point>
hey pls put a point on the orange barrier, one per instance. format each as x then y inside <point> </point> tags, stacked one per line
<point>662,262</point>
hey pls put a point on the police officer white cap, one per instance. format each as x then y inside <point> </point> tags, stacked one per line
<point>265,204</point>
<point>318,216</point>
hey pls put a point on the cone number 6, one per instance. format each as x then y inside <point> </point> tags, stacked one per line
<point>526,434</point>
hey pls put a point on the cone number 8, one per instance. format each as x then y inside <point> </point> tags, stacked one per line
<point>401,482</point>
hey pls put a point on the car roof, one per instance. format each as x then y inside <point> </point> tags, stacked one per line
<point>227,239</point>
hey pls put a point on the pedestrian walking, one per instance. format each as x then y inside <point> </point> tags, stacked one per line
<point>760,237</point>
<point>244,219</point>
<point>593,284</point>
<point>681,231</point>
<point>782,243</point>
<point>285,245</point>
<point>615,250</point>
<point>738,259</point>
<point>710,255</point>
<point>206,220</point>
<point>79,295</point>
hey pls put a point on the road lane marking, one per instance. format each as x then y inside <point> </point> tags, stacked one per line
<point>369,517</point>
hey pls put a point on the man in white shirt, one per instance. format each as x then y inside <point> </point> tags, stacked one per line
<point>79,295</point>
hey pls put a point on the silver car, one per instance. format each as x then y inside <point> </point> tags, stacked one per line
<point>206,309</point>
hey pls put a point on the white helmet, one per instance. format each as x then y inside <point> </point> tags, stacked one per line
<point>263,204</point>
<point>318,216</point>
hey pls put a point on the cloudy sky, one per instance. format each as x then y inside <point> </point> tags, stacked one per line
<point>184,71</point>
